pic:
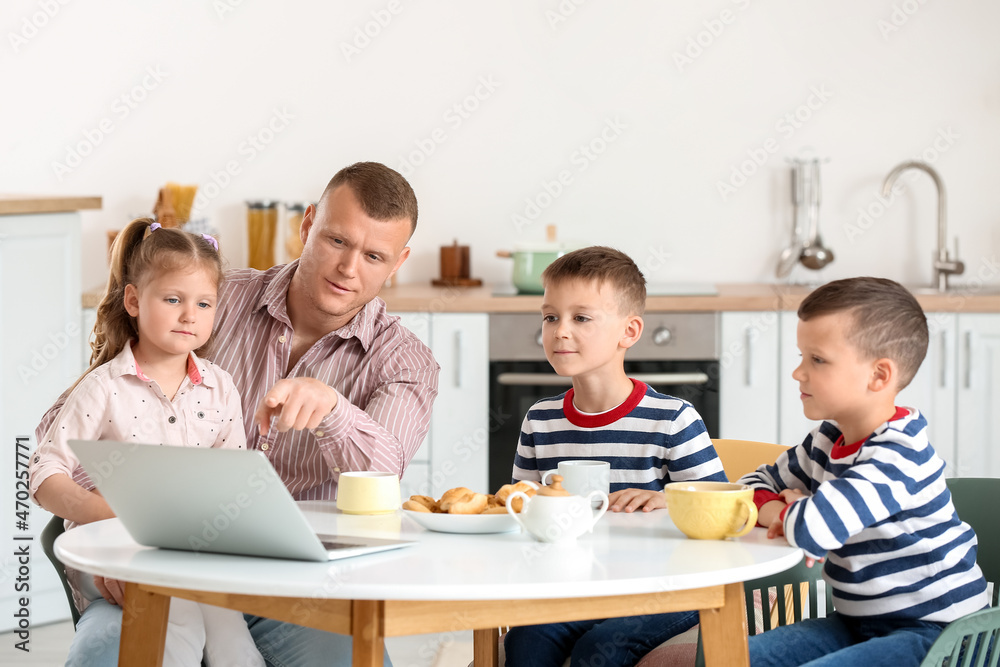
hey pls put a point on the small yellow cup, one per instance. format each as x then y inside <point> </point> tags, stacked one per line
<point>368,493</point>
<point>711,510</point>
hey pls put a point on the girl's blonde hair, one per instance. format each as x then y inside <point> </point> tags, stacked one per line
<point>137,254</point>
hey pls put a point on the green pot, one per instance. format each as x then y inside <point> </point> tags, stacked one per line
<point>528,266</point>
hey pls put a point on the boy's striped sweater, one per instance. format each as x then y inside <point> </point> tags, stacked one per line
<point>881,514</point>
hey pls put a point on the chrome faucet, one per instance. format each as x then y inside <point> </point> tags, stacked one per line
<point>943,265</point>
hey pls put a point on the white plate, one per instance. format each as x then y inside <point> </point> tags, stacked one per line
<point>464,523</point>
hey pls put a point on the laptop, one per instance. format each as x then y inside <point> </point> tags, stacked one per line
<point>210,500</point>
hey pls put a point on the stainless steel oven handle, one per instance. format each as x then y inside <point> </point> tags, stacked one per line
<point>548,379</point>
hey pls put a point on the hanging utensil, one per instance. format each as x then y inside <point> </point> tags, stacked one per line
<point>790,255</point>
<point>814,254</point>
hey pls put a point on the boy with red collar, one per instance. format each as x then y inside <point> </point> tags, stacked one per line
<point>591,315</point>
<point>866,490</point>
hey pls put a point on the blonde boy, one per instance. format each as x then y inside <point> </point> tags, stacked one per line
<point>591,315</point>
<point>866,490</point>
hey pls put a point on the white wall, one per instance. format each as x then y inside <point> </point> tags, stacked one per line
<point>678,129</point>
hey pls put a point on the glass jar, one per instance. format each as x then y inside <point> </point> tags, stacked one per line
<point>293,241</point>
<point>262,224</point>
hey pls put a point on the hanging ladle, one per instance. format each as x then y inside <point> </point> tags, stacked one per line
<point>814,255</point>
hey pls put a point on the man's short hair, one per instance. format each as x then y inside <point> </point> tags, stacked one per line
<point>382,192</point>
<point>887,320</point>
<point>602,265</point>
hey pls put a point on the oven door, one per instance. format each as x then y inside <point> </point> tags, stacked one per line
<point>517,385</point>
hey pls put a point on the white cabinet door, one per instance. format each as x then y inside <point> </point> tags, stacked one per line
<point>460,422</point>
<point>932,390</point>
<point>792,423</point>
<point>978,395</point>
<point>40,346</point>
<point>748,376</point>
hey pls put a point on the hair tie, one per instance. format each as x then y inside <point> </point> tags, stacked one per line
<point>153,227</point>
<point>211,240</point>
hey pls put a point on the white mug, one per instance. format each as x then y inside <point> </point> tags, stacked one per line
<point>581,477</point>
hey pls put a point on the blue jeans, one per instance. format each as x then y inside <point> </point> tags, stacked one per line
<point>612,642</point>
<point>282,644</point>
<point>845,640</point>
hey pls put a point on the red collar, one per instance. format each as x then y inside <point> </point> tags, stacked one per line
<point>840,450</point>
<point>577,418</point>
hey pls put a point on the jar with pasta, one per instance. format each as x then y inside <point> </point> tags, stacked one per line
<point>262,225</point>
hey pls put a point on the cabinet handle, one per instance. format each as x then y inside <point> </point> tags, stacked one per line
<point>748,346</point>
<point>458,358</point>
<point>944,359</point>
<point>553,380</point>
<point>968,360</point>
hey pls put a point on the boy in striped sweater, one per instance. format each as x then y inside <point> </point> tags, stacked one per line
<point>591,314</point>
<point>866,490</point>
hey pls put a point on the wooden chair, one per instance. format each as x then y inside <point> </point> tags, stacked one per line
<point>740,457</point>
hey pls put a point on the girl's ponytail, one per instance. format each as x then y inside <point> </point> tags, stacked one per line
<point>115,328</point>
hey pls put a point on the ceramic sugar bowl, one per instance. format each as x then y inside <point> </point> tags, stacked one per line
<point>554,515</point>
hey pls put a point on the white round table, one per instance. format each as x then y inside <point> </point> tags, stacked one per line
<point>631,564</point>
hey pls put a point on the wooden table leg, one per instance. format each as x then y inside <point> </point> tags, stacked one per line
<point>144,628</point>
<point>368,632</point>
<point>724,631</point>
<point>485,644</point>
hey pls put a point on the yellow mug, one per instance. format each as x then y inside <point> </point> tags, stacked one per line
<point>711,510</point>
<point>368,492</point>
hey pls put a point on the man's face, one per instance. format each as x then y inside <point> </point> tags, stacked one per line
<point>346,257</point>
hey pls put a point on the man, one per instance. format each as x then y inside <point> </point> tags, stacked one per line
<point>329,381</point>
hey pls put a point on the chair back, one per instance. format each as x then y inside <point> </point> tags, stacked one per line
<point>53,529</point>
<point>973,498</point>
<point>740,457</point>
<point>972,640</point>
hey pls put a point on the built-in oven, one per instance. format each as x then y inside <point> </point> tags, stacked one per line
<point>677,355</point>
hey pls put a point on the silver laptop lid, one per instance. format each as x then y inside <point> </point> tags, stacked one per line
<point>200,499</point>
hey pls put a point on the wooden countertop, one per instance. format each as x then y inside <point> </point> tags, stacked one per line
<point>16,204</point>
<point>418,297</point>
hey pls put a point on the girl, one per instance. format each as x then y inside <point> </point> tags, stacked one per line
<point>147,384</point>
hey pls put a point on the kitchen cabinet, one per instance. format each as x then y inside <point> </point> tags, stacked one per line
<point>40,356</point>
<point>460,421</point>
<point>455,450</point>
<point>957,389</point>
<point>978,382</point>
<point>748,379</point>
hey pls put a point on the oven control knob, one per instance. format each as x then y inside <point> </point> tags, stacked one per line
<point>538,338</point>
<point>662,336</point>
